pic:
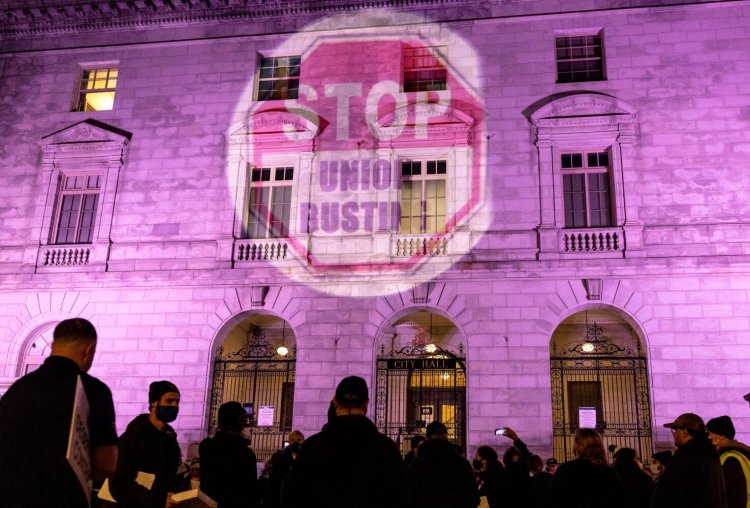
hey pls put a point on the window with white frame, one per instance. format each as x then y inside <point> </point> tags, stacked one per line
<point>579,58</point>
<point>269,202</point>
<point>424,70</point>
<point>97,89</point>
<point>586,189</point>
<point>278,78</point>
<point>423,196</point>
<point>75,214</point>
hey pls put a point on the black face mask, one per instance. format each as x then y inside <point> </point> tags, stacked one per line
<point>167,414</point>
<point>477,464</point>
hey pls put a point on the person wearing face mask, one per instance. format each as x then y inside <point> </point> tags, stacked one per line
<point>149,445</point>
<point>282,467</point>
<point>228,464</point>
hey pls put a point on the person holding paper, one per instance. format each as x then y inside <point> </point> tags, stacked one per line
<point>35,420</point>
<point>149,455</point>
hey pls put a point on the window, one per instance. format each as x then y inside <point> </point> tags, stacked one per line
<point>97,90</point>
<point>587,198</point>
<point>76,209</point>
<point>423,69</point>
<point>423,196</point>
<point>579,58</point>
<point>269,202</point>
<point>279,78</point>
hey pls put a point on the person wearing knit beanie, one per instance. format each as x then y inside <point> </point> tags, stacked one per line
<point>735,460</point>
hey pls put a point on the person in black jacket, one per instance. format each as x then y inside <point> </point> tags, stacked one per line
<point>587,481</point>
<point>693,477</point>
<point>349,463</point>
<point>228,464</point>
<point>516,477</point>
<point>735,460</point>
<point>489,471</point>
<point>438,476</point>
<point>35,416</point>
<point>149,445</point>
<point>638,485</point>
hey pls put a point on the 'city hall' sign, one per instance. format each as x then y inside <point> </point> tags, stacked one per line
<point>423,364</point>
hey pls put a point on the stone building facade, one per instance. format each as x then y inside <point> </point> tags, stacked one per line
<point>519,213</point>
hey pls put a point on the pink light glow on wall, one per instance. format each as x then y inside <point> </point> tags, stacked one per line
<point>356,125</point>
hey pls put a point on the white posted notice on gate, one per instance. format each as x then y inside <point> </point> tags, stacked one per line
<point>265,416</point>
<point>587,417</point>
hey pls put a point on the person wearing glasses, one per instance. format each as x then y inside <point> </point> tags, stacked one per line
<point>694,477</point>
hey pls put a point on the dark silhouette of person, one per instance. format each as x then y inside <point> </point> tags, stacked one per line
<point>348,463</point>
<point>489,471</point>
<point>693,477</point>
<point>586,481</point>
<point>35,419</point>
<point>228,464</point>
<point>638,484</point>
<point>438,476</point>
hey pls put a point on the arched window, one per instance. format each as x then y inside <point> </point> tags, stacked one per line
<point>37,351</point>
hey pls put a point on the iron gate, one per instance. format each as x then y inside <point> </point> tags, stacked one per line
<point>600,380</point>
<point>259,378</point>
<point>418,385</point>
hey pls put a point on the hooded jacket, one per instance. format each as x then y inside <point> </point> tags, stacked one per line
<point>440,478</point>
<point>144,448</point>
<point>228,470</point>
<point>349,464</point>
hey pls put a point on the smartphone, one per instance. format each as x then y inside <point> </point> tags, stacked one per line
<point>248,408</point>
<point>500,432</point>
<point>285,444</point>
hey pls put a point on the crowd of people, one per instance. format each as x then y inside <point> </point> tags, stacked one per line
<point>348,464</point>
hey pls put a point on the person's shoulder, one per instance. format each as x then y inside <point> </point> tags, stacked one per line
<point>91,382</point>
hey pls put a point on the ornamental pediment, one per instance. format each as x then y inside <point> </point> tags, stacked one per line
<point>583,109</point>
<point>277,125</point>
<point>423,121</point>
<point>87,132</point>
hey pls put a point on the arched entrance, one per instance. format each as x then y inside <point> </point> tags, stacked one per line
<point>252,368</point>
<point>421,378</point>
<point>599,380</point>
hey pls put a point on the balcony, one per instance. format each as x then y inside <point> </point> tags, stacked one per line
<point>249,250</point>
<point>591,240</point>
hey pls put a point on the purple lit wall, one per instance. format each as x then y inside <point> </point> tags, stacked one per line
<point>169,273</point>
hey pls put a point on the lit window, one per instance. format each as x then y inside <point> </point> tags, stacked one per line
<point>279,78</point>
<point>76,209</point>
<point>586,189</point>
<point>269,202</point>
<point>423,69</point>
<point>423,196</point>
<point>97,91</point>
<point>579,58</point>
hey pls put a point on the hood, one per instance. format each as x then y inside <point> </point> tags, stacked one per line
<point>436,449</point>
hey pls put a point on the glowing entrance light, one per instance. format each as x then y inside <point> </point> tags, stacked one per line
<point>430,348</point>
<point>360,148</point>
<point>587,347</point>
<point>282,350</point>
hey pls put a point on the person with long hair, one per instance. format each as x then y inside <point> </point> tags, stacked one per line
<point>586,481</point>
<point>489,475</point>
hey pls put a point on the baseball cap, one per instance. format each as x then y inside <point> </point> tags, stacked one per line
<point>688,421</point>
<point>721,425</point>
<point>352,390</point>
<point>551,461</point>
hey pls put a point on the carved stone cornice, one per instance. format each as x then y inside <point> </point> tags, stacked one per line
<point>21,17</point>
